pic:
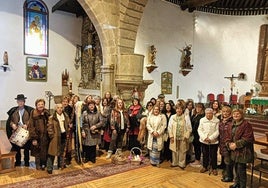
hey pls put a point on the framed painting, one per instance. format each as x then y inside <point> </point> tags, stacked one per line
<point>36,69</point>
<point>166,82</point>
<point>35,28</point>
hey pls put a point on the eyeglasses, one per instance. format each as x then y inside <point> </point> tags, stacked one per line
<point>150,105</point>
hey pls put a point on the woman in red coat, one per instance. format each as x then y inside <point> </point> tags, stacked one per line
<point>239,142</point>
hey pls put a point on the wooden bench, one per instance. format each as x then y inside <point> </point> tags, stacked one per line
<point>7,162</point>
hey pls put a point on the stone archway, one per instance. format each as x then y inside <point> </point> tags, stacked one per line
<point>116,23</point>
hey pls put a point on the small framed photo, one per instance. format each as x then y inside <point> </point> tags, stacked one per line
<point>36,69</point>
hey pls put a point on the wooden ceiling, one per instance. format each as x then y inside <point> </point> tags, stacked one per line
<point>226,7</point>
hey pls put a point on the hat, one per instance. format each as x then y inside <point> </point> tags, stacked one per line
<point>20,97</point>
<point>161,96</point>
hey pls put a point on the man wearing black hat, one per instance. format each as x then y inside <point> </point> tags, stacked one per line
<point>19,116</point>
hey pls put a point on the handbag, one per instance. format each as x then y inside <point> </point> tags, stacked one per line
<point>191,139</point>
<point>19,137</point>
<point>165,136</point>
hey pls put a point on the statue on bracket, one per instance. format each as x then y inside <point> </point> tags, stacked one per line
<point>185,65</point>
<point>5,65</point>
<point>152,57</point>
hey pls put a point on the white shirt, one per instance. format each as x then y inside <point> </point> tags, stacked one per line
<point>61,121</point>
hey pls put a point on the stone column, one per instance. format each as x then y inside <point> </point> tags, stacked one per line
<point>129,75</point>
<point>107,79</point>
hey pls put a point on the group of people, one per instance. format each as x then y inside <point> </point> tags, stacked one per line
<point>181,132</point>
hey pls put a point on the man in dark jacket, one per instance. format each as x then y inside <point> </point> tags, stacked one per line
<point>19,116</point>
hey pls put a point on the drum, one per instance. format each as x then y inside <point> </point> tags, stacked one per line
<point>19,137</point>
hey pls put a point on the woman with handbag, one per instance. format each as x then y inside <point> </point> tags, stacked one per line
<point>156,125</point>
<point>179,129</point>
<point>91,126</point>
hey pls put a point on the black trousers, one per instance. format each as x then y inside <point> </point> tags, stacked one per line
<point>90,152</point>
<point>197,149</point>
<point>241,174</point>
<point>26,148</point>
<point>210,155</point>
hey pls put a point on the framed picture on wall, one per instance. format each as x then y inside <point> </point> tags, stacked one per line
<point>166,82</point>
<point>35,28</point>
<point>36,69</point>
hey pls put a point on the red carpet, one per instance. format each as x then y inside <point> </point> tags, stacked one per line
<point>76,177</point>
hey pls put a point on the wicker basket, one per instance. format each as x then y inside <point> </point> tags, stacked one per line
<point>134,158</point>
<point>118,158</point>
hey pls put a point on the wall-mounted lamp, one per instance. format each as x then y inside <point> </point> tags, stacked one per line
<point>78,56</point>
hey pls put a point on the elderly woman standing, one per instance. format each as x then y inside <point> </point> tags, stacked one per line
<point>119,124</point>
<point>240,141</point>
<point>156,124</point>
<point>58,131</point>
<point>225,122</point>
<point>208,131</point>
<point>38,133</point>
<point>91,125</point>
<point>179,129</point>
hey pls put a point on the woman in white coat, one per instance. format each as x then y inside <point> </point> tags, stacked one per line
<point>156,125</point>
<point>179,129</point>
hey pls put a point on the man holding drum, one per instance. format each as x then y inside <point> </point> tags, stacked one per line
<point>19,117</point>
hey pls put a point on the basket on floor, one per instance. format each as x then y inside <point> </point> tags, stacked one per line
<point>135,158</point>
<point>119,158</point>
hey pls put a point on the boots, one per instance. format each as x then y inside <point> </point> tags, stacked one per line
<point>109,154</point>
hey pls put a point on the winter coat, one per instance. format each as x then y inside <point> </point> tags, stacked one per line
<point>38,131</point>
<point>54,133</point>
<point>186,130</point>
<point>14,117</point>
<point>242,135</point>
<point>195,121</point>
<point>115,121</point>
<point>223,128</point>
<point>209,129</point>
<point>89,119</point>
<point>156,124</point>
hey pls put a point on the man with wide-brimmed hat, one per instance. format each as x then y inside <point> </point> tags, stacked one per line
<point>19,116</point>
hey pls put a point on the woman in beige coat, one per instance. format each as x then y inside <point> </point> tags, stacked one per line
<point>156,125</point>
<point>58,132</point>
<point>179,130</point>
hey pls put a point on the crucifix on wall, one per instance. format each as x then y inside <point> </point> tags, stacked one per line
<point>232,84</point>
<point>233,98</point>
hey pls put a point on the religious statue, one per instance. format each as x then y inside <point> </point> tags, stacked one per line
<point>136,94</point>
<point>152,54</point>
<point>5,60</point>
<point>152,57</point>
<point>186,57</point>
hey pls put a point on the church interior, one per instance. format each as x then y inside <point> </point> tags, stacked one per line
<point>184,49</point>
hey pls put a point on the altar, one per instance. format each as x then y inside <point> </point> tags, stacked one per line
<point>260,103</point>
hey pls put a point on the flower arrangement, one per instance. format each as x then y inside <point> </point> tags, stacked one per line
<point>251,111</point>
<point>134,158</point>
<point>265,112</point>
